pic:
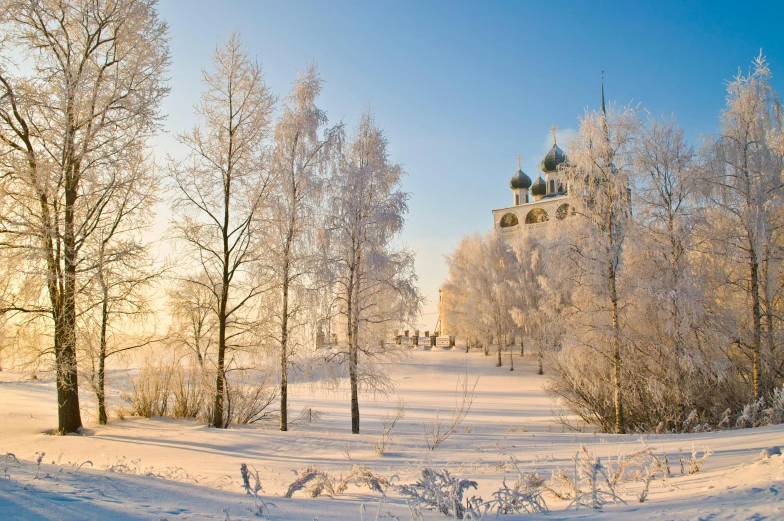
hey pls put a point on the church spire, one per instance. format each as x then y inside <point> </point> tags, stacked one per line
<point>554,129</point>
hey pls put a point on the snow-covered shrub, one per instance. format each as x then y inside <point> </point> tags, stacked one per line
<point>307,415</point>
<point>753,415</point>
<point>525,495</point>
<point>438,490</point>
<point>189,391</point>
<point>776,410</point>
<point>250,397</point>
<point>6,459</point>
<point>363,476</point>
<point>695,463</point>
<point>439,429</point>
<point>592,484</point>
<point>150,390</point>
<point>260,507</point>
<point>763,412</point>
<point>313,481</point>
<point>388,422</point>
<point>316,482</point>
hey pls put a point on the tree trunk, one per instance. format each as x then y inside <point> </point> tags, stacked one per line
<point>354,364</point>
<point>100,393</point>
<point>757,317</point>
<point>284,332</point>
<point>217,410</point>
<point>69,419</point>
<point>69,414</point>
<point>620,427</point>
<point>353,379</point>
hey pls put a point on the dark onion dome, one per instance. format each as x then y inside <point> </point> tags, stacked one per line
<point>554,158</point>
<point>520,180</point>
<point>539,187</point>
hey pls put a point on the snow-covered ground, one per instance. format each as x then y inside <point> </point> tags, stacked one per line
<point>172,469</point>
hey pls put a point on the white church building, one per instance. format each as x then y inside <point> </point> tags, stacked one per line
<point>535,202</point>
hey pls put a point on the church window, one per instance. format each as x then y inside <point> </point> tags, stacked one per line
<point>552,186</point>
<point>517,199</point>
<point>509,220</point>
<point>537,215</point>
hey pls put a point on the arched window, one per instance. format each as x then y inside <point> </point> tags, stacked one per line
<point>517,199</point>
<point>562,211</point>
<point>552,186</point>
<point>509,220</point>
<point>537,215</point>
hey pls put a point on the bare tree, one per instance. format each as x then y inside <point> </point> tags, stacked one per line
<point>223,186</point>
<point>374,279</point>
<point>91,100</point>
<point>121,273</point>
<point>191,308</point>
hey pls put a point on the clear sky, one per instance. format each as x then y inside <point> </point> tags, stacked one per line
<point>462,88</point>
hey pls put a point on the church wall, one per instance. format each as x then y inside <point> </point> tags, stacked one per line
<point>549,205</point>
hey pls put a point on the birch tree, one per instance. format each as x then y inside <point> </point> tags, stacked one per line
<point>300,164</point>
<point>667,290</point>
<point>90,99</point>
<point>743,185</point>
<point>374,278</point>
<point>599,171</point>
<point>222,188</point>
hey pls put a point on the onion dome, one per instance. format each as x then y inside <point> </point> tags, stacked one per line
<point>539,187</point>
<point>520,180</point>
<point>554,158</point>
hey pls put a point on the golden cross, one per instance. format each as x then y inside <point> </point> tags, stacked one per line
<point>519,157</point>
<point>553,129</point>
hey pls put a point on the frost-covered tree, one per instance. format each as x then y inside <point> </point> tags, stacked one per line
<point>479,293</point>
<point>373,277</point>
<point>300,162</point>
<point>591,245</point>
<point>84,98</point>
<point>743,187</point>
<point>222,189</point>
<point>667,292</point>
<point>541,299</point>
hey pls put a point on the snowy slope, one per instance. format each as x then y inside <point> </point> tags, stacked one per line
<point>172,469</point>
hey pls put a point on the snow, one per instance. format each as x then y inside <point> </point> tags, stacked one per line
<point>174,469</point>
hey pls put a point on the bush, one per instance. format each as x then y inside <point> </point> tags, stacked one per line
<point>189,391</point>
<point>150,391</point>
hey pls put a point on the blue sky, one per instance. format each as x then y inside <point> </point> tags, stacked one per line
<point>462,88</point>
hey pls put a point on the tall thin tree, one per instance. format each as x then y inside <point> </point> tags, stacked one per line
<point>222,191</point>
